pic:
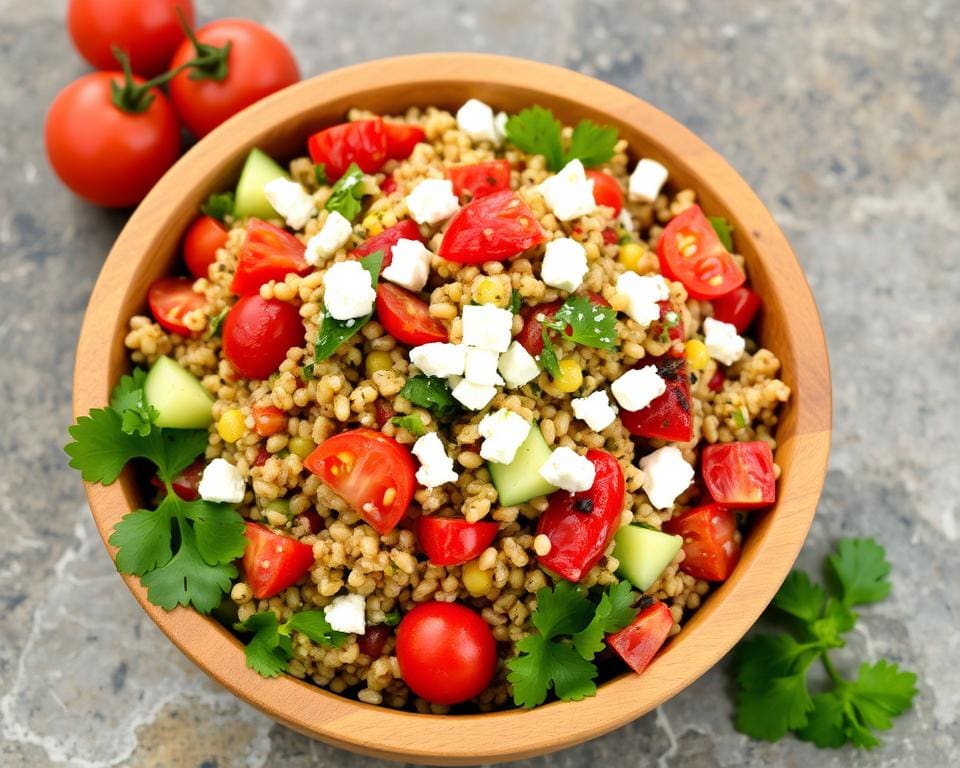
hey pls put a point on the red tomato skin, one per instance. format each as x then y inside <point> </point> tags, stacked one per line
<point>389,185</point>
<point>676,266</point>
<point>606,191</point>
<point>268,253</point>
<point>204,238</point>
<point>669,416</point>
<point>272,562</point>
<point>480,179</point>
<point>373,640</point>
<point>405,230</point>
<point>578,539</point>
<point>402,138</point>
<point>709,541</point>
<point>257,334</point>
<point>448,541</point>
<point>268,420</point>
<point>739,475</point>
<point>170,298</point>
<point>639,642</point>
<point>493,228</point>
<point>105,155</point>
<point>739,307</point>
<point>406,316</point>
<point>716,381</point>
<point>382,411</point>
<point>446,652</point>
<point>259,63</point>
<point>531,336</point>
<point>148,31</point>
<point>363,142</point>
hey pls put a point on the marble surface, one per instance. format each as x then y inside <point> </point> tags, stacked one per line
<point>844,116</point>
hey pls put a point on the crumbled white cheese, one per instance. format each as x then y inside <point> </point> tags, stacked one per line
<point>643,293</point>
<point>569,193</point>
<point>517,366</point>
<point>347,613</point>
<point>333,235</point>
<point>568,470</point>
<point>480,367</point>
<point>439,359</point>
<point>436,468</point>
<point>625,219</point>
<point>666,476</point>
<point>290,200</point>
<point>722,341</point>
<point>504,432</point>
<point>476,397</point>
<point>646,181</point>
<point>221,481</point>
<point>410,264</point>
<point>637,388</point>
<point>487,327</point>
<point>564,264</point>
<point>348,290</point>
<point>500,126</point>
<point>432,201</point>
<point>475,118</point>
<point>595,410</point>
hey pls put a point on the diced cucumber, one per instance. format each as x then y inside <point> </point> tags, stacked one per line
<point>179,398</point>
<point>249,200</point>
<point>644,553</point>
<point>520,480</point>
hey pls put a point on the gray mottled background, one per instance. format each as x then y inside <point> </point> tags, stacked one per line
<point>844,116</point>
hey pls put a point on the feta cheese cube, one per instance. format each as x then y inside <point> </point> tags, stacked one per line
<point>638,388</point>
<point>480,367</point>
<point>436,468</point>
<point>626,220</point>
<point>410,264</point>
<point>439,359</point>
<point>517,366</point>
<point>432,201</point>
<point>348,290</point>
<point>333,235</point>
<point>722,340</point>
<point>487,327</point>
<point>476,397</point>
<point>290,200</point>
<point>347,613</point>
<point>643,293</point>
<point>221,481</point>
<point>595,410</point>
<point>569,194</point>
<point>476,119</point>
<point>666,476</point>
<point>504,432</point>
<point>500,126</point>
<point>568,470</point>
<point>564,264</point>
<point>646,181</point>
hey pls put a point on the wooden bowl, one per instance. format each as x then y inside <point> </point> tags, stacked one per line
<point>148,247</point>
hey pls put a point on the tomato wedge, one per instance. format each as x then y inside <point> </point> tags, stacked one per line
<point>268,420</point>
<point>402,138</point>
<point>669,416</point>
<point>480,179</point>
<point>581,525</point>
<point>639,642</point>
<point>739,475</point>
<point>493,228</point>
<point>710,547</point>
<point>272,562</point>
<point>405,230</point>
<point>363,142</point>
<point>606,191</point>
<point>268,253</point>
<point>204,237</point>
<point>170,298</point>
<point>738,307</point>
<point>690,251</point>
<point>373,473</point>
<point>407,317</point>
<point>447,541</point>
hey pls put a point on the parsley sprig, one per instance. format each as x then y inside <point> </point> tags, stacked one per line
<point>771,670</point>
<point>335,332</point>
<point>432,393</point>
<point>535,130</point>
<point>270,649</point>
<point>583,322</point>
<point>411,422</point>
<point>346,197</point>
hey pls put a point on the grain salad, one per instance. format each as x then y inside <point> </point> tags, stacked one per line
<point>468,397</point>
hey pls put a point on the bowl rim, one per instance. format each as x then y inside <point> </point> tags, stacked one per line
<point>511,734</point>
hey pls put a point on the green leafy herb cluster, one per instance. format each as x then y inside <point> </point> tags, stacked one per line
<point>334,332</point>
<point>411,422</point>
<point>270,649</point>
<point>432,393</point>
<point>219,205</point>
<point>581,321</point>
<point>346,197</point>
<point>535,130</point>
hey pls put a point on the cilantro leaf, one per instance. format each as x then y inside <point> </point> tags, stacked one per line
<point>537,132</point>
<point>173,450</point>
<point>573,676</point>
<point>881,691</point>
<point>564,610</point>
<point>219,206</point>
<point>548,355</point>
<point>724,230</point>
<point>411,422</point>
<point>769,713</point>
<point>432,393</point>
<point>614,612</point>
<point>528,674</point>
<point>591,144</point>
<point>333,332</point>
<point>347,194</point>
<point>265,652</point>
<point>860,570</point>
<point>800,597</point>
<point>825,722</point>
<point>763,657</point>
<point>583,322</point>
<point>100,448</point>
<point>314,625</point>
<point>836,620</point>
<point>219,530</point>
<point>143,538</point>
<point>128,399</point>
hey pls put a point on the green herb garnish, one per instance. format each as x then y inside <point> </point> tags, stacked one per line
<point>583,322</point>
<point>320,174</point>
<point>270,649</point>
<point>724,231</point>
<point>548,355</point>
<point>516,301</point>
<point>335,332</point>
<point>411,422</point>
<point>535,130</point>
<point>219,205</point>
<point>216,324</point>
<point>347,194</point>
<point>432,393</point>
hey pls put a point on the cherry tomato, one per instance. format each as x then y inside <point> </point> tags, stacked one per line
<point>200,245</point>
<point>406,316</point>
<point>739,475</point>
<point>405,230</point>
<point>170,298</point>
<point>446,652</point>
<point>148,31</point>
<point>606,191</point>
<point>373,640</point>
<point>493,228</point>
<point>581,525</point>
<point>106,155</point>
<point>670,415</point>
<point>268,253</point>
<point>373,473</point>
<point>272,562</point>
<point>402,138</point>
<point>738,307</point>
<point>363,142</point>
<point>257,334</point>
<point>690,251</point>
<point>639,642</point>
<point>187,484</point>
<point>447,541</point>
<point>480,179</point>
<point>268,420</point>
<point>710,546</point>
<point>258,63</point>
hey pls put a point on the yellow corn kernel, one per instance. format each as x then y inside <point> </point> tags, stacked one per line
<point>301,446</point>
<point>477,581</point>
<point>372,224</point>
<point>488,290</point>
<point>630,255</point>
<point>571,376</point>
<point>697,354</point>
<point>231,426</point>
<point>378,360</point>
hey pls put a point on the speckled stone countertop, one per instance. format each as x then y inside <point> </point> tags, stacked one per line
<point>844,116</point>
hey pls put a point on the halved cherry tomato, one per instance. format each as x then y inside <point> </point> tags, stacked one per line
<point>669,416</point>
<point>272,562</point>
<point>401,139</point>
<point>738,307</point>
<point>187,484</point>
<point>448,541</point>
<point>257,334</point>
<point>479,179</point>
<point>690,251</point>
<point>363,142</point>
<point>710,546</point>
<point>406,316</point>
<point>405,230</point>
<point>531,336</point>
<point>493,228</point>
<point>606,191</point>
<point>739,475</point>
<point>268,253</point>
<point>581,525</point>
<point>170,298</point>
<point>372,641</point>
<point>639,642</point>
<point>200,245</point>
<point>268,420</point>
<point>372,472</point>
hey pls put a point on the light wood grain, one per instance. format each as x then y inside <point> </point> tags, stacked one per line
<point>148,246</point>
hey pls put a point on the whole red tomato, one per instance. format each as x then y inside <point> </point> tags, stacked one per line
<point>148,30</point>
<point>257,64</point>
<point>110,156</point>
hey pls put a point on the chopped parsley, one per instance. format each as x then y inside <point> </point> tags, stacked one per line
<point>548,356</point>
<point>347,194</point>
<point>432,393</point>
<point>320,174</point>
<point>516,302</point>
<point>583,322</point>
<point>724,231</point>
<point>219,205</point>
<point>270,649</point>
<point>216,324</point>
<point>411,422</point>
<point>335,332</point>
<point>535,130</point>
